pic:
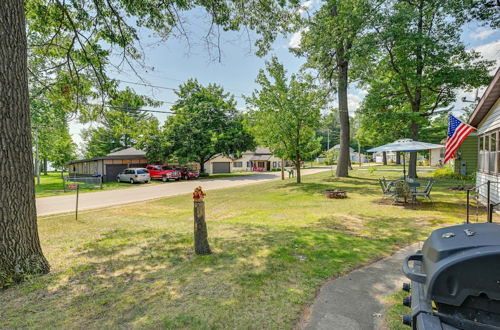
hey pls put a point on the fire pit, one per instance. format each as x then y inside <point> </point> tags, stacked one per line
<point>334,193</point>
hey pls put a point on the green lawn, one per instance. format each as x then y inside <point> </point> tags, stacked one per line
<point>274,244</point>
<point>52,184</point>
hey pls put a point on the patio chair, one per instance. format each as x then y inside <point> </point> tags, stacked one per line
<point>386,189</point>
<point>426,193</point>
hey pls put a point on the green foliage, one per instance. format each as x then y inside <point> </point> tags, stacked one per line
<point>336,44</point>
<point>448,172</point>
<point>122,127</point>
<point>206,123</point>
<point>285,113</point>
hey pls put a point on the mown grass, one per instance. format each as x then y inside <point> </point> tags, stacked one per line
<point>274,244</point>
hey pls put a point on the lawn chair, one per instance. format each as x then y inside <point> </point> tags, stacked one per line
<point>386,189</point>
<point>426,193</point>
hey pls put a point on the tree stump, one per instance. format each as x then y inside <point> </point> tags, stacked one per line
<point>201,246</point>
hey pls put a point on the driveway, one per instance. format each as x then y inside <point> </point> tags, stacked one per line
<point>87,201</point>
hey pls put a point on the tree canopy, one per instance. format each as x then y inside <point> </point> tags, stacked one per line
<point>285,113</point>
<point>206,123</point>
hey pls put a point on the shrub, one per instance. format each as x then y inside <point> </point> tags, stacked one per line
<point>447,172</point>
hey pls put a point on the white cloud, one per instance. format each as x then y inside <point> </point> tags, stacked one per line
<point>481,33</point>
<point>295,39</point>
<point>490,51</point>
<point>353,102</point>
<point>305,6</point>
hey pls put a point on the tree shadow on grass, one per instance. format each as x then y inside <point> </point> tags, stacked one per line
<point>149,278</point>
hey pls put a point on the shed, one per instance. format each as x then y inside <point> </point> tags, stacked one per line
<point>110,165</point>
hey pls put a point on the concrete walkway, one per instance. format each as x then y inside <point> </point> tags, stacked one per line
<point>93,200</point>
<point>355,301</point>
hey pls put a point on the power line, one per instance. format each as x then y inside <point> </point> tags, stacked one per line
<point>162,87</point>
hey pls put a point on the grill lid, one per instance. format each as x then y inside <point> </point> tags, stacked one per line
<point>462,261</point>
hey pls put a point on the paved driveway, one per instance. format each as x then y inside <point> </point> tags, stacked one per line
<point>66,203</point>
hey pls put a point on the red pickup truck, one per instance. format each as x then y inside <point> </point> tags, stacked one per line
<point>163,172</point>
<point>187,173</point>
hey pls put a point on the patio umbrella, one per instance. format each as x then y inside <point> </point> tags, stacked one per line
<point>406,145</point>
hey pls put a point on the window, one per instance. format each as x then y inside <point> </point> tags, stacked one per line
<point>489,160</point>
<point>237,164</point>
<point>249,164</point>
<point>142,171</point>
<point>493,153</point>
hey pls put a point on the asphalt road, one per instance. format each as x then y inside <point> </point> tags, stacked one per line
<point>94,200</point>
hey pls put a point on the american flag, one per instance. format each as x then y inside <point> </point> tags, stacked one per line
<point>457,132</point>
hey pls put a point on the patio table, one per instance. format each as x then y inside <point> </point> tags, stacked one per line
<point>412,185</point>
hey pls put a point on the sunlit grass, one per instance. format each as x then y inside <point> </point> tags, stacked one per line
<point>133,266</point>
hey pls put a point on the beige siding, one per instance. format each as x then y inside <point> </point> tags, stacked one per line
<point>489,123</point>
<point>492,119</point>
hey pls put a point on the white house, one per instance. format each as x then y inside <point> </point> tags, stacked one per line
<point>436,156</point>
<point>260,160</point>
<point>353,155</point>
<point>486,118</point>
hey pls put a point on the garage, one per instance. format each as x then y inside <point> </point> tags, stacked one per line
<point>113,170</point>
<point>221,167</point>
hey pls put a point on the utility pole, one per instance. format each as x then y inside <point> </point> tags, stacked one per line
<point>37,158</point>
<point>328,139</point>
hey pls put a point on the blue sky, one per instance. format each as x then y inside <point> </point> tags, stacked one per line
<point>172,62</point>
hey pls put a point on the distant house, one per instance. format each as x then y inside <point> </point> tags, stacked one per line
<point>353,155</point>
<point>436,156</point>
<point>262,159</point>
<point>486,118</point>
<point>110,165</point>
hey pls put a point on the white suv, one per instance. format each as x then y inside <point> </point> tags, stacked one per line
<point>134,175</point>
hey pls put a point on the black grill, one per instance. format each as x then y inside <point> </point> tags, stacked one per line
<point>456,279</point>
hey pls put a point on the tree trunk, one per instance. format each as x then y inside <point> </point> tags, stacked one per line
<point>398,158</point>
<point>344,157</point>
<point>202,166</point>
<point>415,106</point>
<point>45,165</point>
<point>282,169</point>
<point>297,167</point>
<point>412,166</point>
<point>20,250</point>
<point>384,158</point>
<point>201,246</point>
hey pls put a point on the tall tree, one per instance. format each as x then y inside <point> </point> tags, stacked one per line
<point>286,113</point>
<point>82,36</point>
<point>334,40</point>
<point>206,123</point>
<point>122,126</point>
<point>20,250</point>
<point>423,61</point>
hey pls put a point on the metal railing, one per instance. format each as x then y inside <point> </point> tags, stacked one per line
<point>88,182</point>
<point>489,205</point>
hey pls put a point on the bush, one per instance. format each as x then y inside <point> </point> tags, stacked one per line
<point>204,175</point>
<point>448,172</point>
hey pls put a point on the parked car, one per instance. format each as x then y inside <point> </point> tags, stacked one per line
<point>134,175</point>
<point>187,173</point>
<point>163,172</point>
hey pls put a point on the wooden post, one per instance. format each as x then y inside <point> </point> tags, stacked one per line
<point>201,246</point>
<point>77,196</point>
